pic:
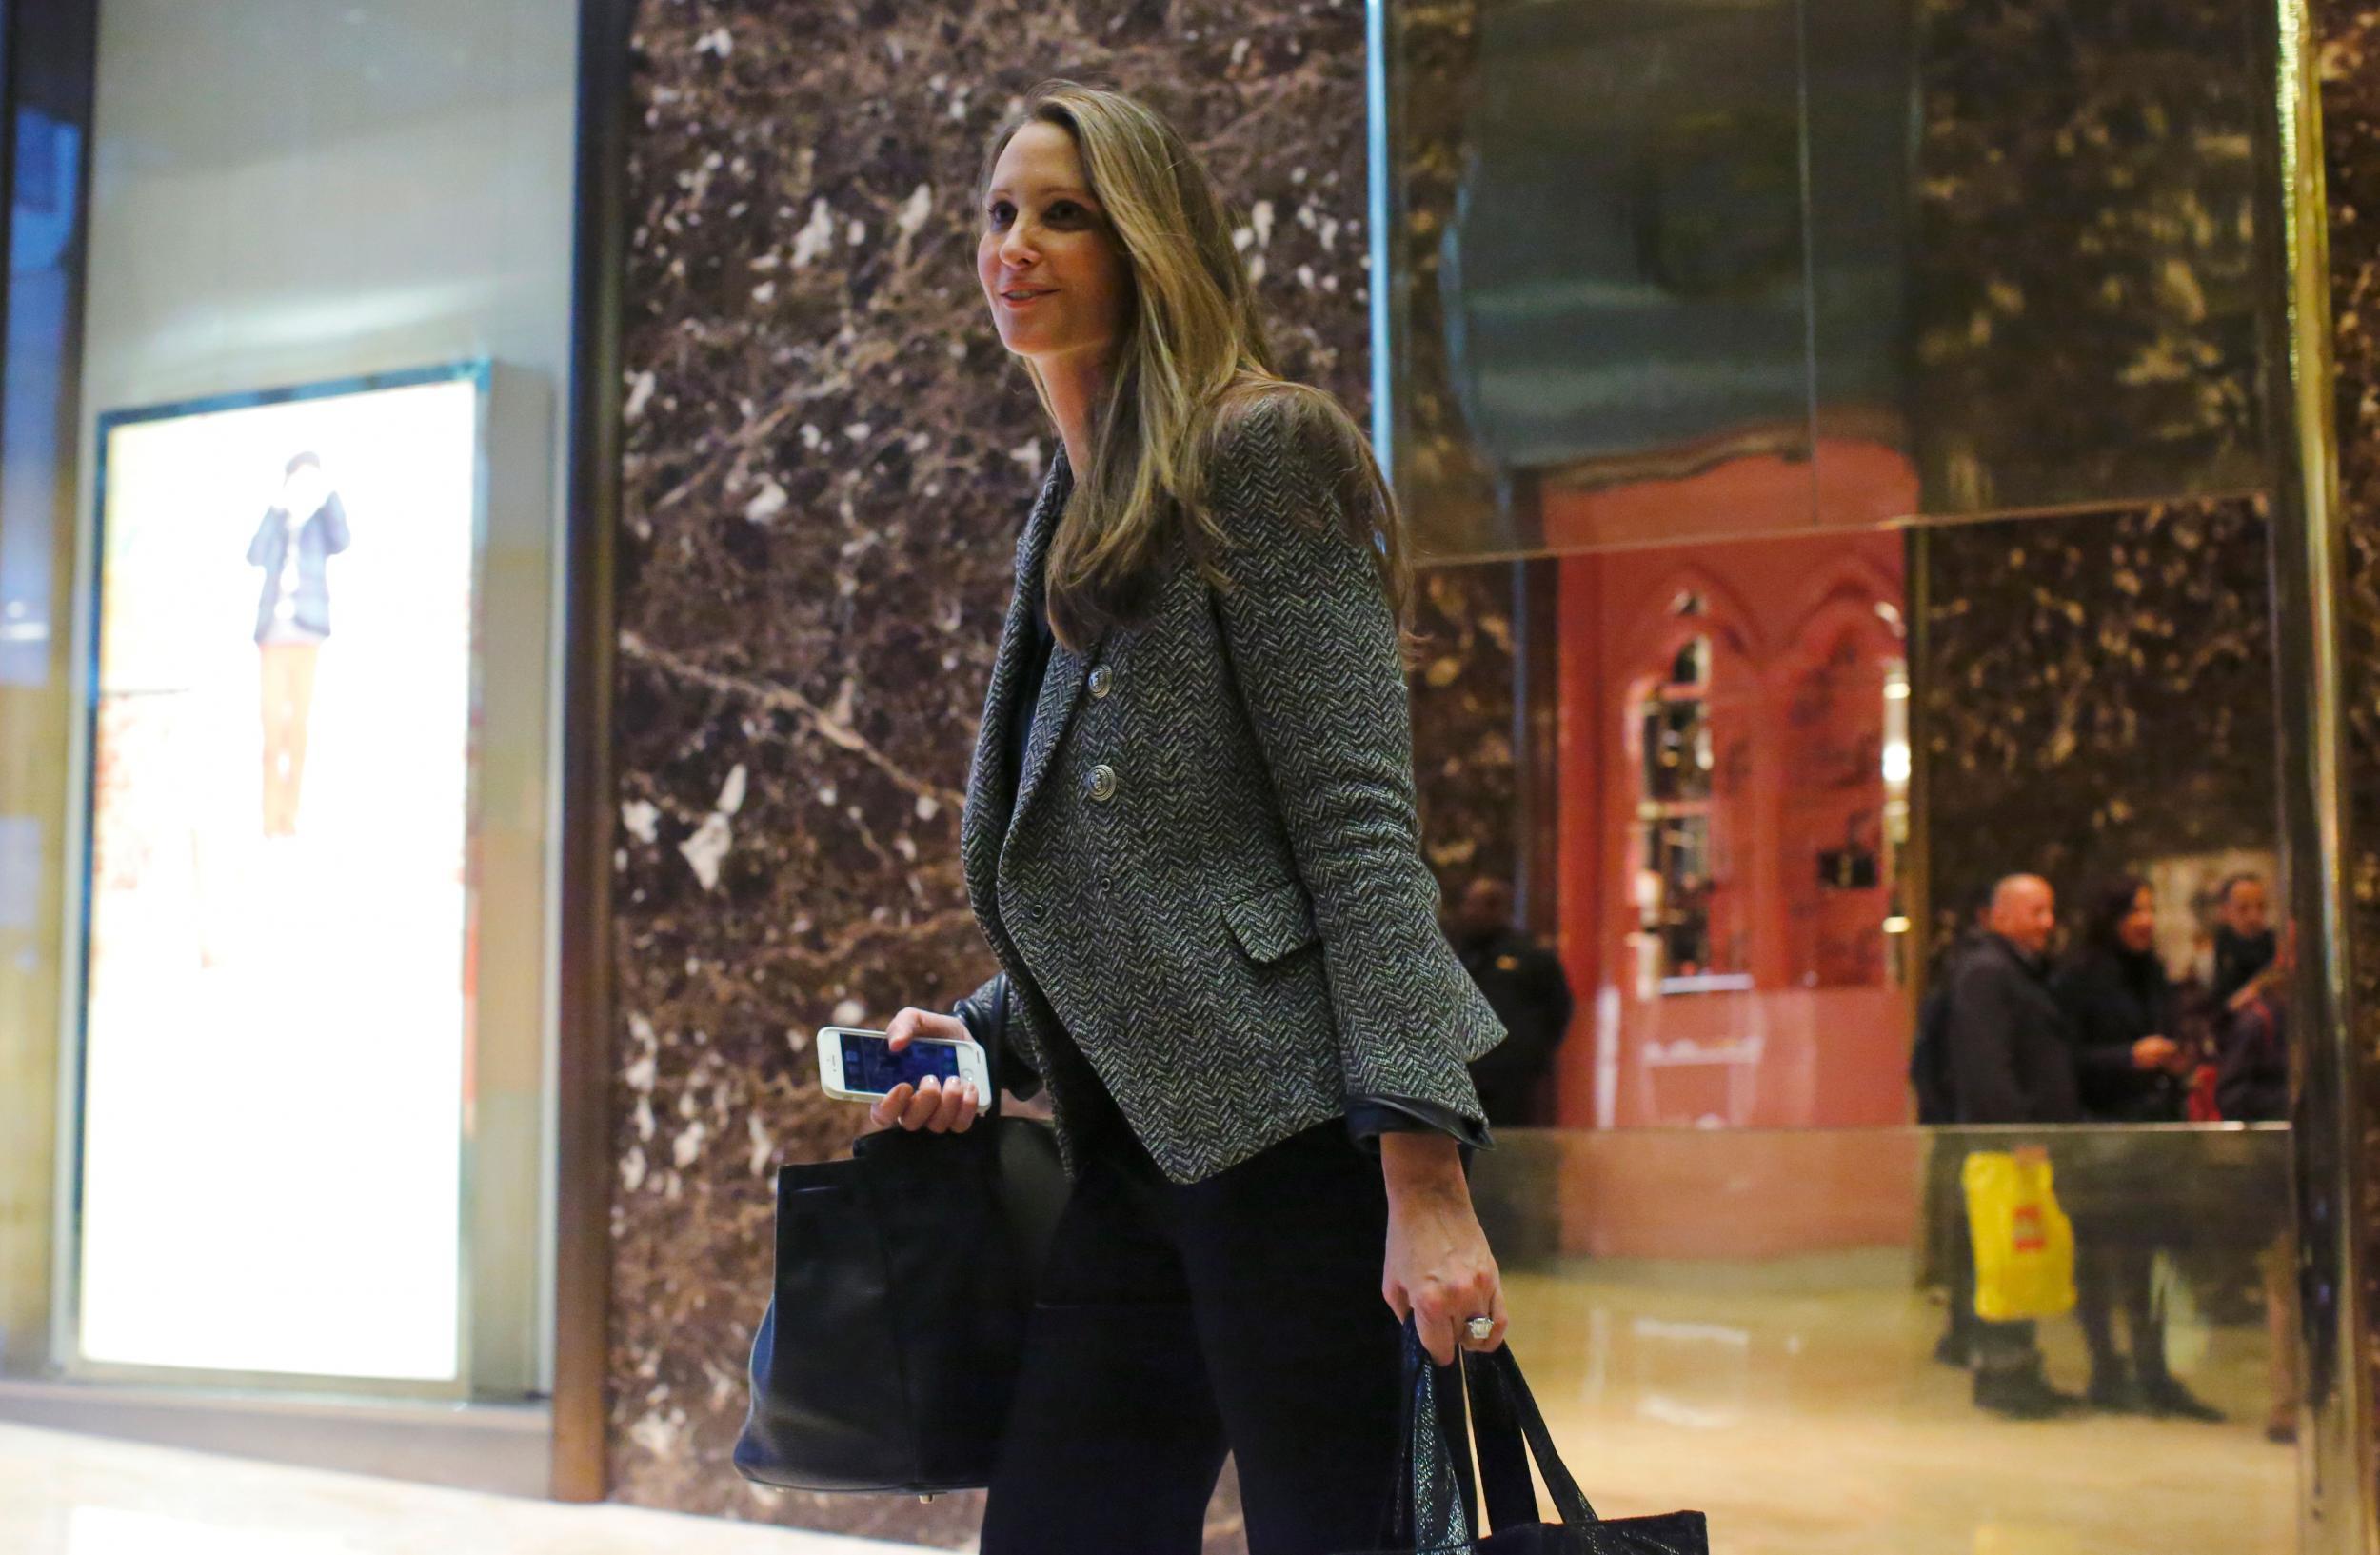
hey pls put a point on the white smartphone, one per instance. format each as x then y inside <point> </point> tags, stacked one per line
<point>854,1065</point>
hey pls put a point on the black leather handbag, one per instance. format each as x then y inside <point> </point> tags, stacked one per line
<point>904,1279</point>
<point>1434,1505</point>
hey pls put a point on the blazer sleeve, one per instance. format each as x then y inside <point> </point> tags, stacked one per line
<point>1314,649</point>
<point>1369,1117</point>
<point>1983,1048</point>
<point>984,1013</point>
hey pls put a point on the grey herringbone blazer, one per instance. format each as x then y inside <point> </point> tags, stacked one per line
<point>1210,873</point>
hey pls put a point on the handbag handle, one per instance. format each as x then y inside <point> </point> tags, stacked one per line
<point>1512,1500</point>
<point>1432,1506</point>
<point>1000,1050</point>
<point>1495,1411</point>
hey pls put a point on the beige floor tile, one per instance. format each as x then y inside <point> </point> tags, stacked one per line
<point>1816,1423</point>
<point>63,1494</point>
<point>1802,1413</point>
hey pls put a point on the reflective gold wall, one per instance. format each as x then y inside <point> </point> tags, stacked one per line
<point>1888,259</point>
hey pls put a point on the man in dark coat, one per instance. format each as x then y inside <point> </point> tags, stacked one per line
<point>1529,991</point>
<point>2252,1085</point>
<point>1950,1256</point>
<point>2011,1062</point>
<point>1928,1053</point>
<point>2244,940</point>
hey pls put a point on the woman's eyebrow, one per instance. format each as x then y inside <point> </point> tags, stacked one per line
<point>1051,192</point>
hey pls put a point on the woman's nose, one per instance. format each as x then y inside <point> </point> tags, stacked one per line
<point>1016,248</point>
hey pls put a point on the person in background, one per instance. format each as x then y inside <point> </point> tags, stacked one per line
<point>2252,1082</point>
<point>1929,1053</point>
<point>1950,1254</point>
<point>2120,1010</point>
<point>2011,1062</point>
<point>2244,944</point>
<point>1526,987</point>
<point>2252,1085</point>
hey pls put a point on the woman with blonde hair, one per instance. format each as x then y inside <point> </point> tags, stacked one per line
<point>1190,840</point>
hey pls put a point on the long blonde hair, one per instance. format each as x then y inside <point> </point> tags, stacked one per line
<point>1194,360</point>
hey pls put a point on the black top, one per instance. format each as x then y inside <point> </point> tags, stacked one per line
<point>2252,1082</point>
<point>2010,1058</point>
<point>1031,672</point>
<point>2112,1000</point>
<point>2237,958</point>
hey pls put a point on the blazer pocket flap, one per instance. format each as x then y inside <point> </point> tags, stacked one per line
<point>1272,923</point>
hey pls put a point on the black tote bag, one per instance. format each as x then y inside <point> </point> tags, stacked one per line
<point>1432,1507</point>
<point>905,1278</point>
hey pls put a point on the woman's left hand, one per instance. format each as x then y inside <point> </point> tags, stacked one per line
<point>1439,1269</point>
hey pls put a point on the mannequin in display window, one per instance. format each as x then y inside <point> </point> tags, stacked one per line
<point>300,532</point>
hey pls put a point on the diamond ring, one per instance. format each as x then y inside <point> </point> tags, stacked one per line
<point>1479,1328</point>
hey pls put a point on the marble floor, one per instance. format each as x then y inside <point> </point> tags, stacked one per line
<point>1797,1404</point>
<point>75,1495</point>
<point>1804,1413</point>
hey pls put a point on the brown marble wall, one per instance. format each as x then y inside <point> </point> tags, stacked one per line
<point>827,459</point>
<point>2082,279</point>
<point>2348,52</point>
<point>1433,49</point>
<point>2093,692</point>
<point>1464,761</point>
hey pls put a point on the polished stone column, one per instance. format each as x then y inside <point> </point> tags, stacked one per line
<point>829,456</point>
<point>2346,58</point>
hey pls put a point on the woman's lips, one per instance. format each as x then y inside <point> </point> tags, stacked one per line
<point>1022,299</point>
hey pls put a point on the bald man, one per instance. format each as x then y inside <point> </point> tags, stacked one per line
<point>2012,1060</point>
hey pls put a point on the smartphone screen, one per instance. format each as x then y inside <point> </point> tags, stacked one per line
<point>870,1063</point>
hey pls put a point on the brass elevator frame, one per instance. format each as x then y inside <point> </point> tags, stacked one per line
<point>2336,1460</point>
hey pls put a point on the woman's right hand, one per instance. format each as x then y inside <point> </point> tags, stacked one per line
<point>928,1105</point>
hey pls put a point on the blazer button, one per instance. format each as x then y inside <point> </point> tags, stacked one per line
<point>1102,680</point>
<point>1102,783</point>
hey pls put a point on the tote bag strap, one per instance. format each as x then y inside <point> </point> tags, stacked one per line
<point>1511,1500</point>
<point>1510,1430</point>
<point>1433,1503</point>
<point>1453,1431</point>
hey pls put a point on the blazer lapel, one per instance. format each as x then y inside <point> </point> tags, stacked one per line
<point>1058,695</point>
<point>984,823</point>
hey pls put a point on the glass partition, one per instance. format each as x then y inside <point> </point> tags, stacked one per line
<point>1657,270</point>
<point>1719,315</point>
<point>1757,1323</point>
<point>1595,271</point>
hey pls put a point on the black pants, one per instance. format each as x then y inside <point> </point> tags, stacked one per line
<point>2116,1270</point>
<point>1241,1314</point>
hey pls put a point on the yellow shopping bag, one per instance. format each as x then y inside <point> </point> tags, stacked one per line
<point>2024,1243</point>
